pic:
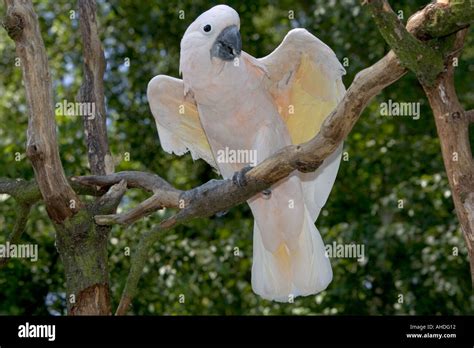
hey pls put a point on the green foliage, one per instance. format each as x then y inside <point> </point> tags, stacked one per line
<point>408,251</point>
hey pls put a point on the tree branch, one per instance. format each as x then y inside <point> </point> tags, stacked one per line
<point>100,161</point>
<point>27,192</point>
<point>412,52</point>
<point>441,19</point>
<point>145,208</point>
<point>164,195</point>
<point>22,25</point>
<point>220,195</point>
<point>146,181</point>
<point>452,124</point>
<point>92,90</point>
<point>109,202</point>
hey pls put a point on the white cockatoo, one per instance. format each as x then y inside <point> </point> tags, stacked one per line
<point>229,101</point>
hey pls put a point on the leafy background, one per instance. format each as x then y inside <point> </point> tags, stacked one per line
<point>408,251</point>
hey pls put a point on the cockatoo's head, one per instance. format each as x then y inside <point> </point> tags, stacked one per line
<point>213,37</point>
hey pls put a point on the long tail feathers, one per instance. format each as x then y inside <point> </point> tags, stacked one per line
<point>286,274</point>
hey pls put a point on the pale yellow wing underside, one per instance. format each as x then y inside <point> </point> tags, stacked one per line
<point>304,77</point>
<point>177,119</point>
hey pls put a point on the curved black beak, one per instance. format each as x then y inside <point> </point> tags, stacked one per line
<point>228,44</point>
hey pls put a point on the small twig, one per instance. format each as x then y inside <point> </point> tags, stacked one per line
<point>145,208</point>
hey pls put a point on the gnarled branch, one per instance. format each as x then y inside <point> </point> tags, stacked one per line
<point>22,25</point>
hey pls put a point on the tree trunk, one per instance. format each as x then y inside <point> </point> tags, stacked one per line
<point>83,250</point>
<point>452,124</point>
<point>82,245</point>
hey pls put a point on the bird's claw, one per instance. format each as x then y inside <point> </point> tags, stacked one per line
<point>221,213</point>
<point>239,178</point>
<point>267,193</point>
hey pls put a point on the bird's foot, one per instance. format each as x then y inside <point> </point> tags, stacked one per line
<point>239,178</point>
<point>267,194</point>
<point>221,213</point>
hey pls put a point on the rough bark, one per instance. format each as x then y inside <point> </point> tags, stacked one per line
<point>441,18</point>
<point>412,52</point>
<point>22,25</point>
<point>452,124</point>
<point>83,249</point>
<point>470,116</point>
<point>92,90</point>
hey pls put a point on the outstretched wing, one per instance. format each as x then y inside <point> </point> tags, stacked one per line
<point>177,119</point>
<point>304,77</point>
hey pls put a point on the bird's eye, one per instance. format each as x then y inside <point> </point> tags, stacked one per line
<point>207,28</point>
